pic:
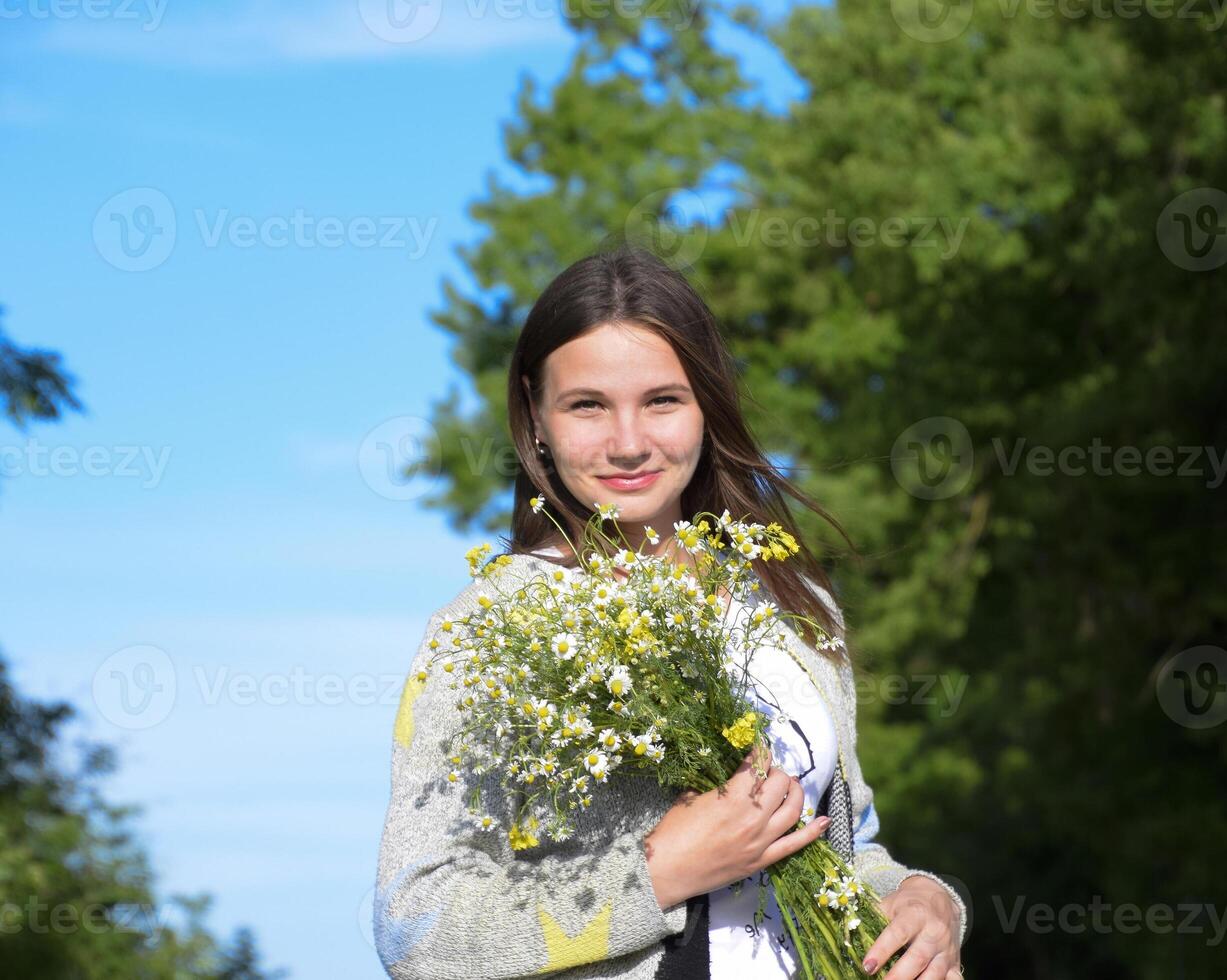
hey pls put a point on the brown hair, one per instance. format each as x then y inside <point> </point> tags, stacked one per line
<point>631,285</point>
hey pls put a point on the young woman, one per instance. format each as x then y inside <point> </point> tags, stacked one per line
<point>621,390</point>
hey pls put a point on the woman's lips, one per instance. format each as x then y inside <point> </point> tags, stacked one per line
<point>637,484</point>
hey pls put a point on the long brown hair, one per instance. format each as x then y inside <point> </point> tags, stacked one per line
<point>631,285</point>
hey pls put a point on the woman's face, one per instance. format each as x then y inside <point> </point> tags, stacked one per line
<point>617,400</point>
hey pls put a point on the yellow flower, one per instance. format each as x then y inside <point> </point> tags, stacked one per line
<point>523,839</point>
<point>741,732</point>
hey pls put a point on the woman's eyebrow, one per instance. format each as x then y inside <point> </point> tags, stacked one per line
<point>572,392</point>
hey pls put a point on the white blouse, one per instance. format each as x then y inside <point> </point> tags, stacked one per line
<point>803,744</point>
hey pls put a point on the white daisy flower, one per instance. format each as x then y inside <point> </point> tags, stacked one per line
<point>537,504</point>
<point>595,761</point>
<point>542,711</point>
<point>619,681</point>
<point>595,673</point>
<point>606,510</point>
<point>748,549</point>
<point>689,537</point>
<point>584,728</point>
<point>565,646</point>
<point>640,744</point>
<point>609,740</point>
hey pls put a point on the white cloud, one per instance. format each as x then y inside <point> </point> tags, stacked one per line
<point>253,34</point>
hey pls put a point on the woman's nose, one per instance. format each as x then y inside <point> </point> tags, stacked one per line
<point>628,441</point>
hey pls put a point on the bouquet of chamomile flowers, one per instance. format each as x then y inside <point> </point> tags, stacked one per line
<point>628,666</point>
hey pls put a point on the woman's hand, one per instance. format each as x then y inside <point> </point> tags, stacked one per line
<point>921,913</point>
<point>707,840</point>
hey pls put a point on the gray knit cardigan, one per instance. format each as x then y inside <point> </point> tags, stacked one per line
<point>454,902</point>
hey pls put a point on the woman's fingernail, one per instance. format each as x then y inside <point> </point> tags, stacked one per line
<point>871,965</point>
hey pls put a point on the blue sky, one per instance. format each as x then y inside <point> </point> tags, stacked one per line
<point>209,563</point>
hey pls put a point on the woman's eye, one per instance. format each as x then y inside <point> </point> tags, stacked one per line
<point>588,401</point>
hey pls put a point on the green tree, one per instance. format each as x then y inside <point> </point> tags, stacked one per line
<point>1012,277</point>
<point>78,893</point>
<point>32,383</point>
